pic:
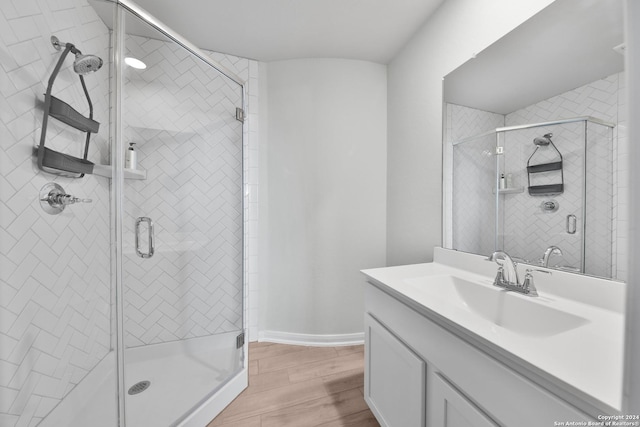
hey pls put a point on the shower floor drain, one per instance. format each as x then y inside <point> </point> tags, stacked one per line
<point>139,387</point>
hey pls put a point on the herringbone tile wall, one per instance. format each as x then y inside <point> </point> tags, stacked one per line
<point>54,270</point>
<point>181,115</point>
<point>602,99</point>
<point>471,229</point>
<point>465,122</point>
<point>474,206</point>
<point>600,244</point>
<point>527,230</point>
<point>55,320</point>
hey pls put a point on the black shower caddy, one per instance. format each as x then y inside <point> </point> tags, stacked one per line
<point>54,161</point>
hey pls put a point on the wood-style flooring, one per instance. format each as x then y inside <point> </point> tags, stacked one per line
<point>301,387</point>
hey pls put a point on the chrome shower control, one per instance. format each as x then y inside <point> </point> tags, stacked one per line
<point>550,206</point>
<point>54,199</point>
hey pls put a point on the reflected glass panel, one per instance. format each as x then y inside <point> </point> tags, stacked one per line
<point>473,203</point>
<point>533,222</point>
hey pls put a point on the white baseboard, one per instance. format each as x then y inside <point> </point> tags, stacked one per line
<point>310,339</point>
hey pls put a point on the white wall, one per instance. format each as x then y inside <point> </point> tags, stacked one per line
<point>325,193</point>
<point>450,37</point>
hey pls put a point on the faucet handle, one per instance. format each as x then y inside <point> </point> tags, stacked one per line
<point>528,285</point>
<point>499,276</point>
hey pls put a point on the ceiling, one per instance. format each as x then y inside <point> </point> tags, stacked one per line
<point>568,44</point>
<point>273,30</point>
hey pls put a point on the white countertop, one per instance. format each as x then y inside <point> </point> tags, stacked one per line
<point>587,356</point>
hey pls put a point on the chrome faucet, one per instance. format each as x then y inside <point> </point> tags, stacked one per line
<point>507,275</point>
<point>507,270</point>
<point>551,250</point>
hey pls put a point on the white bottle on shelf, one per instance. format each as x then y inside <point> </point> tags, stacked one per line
<point>131,157</point>
<point>503,182</point>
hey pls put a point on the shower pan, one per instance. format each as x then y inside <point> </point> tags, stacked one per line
<point>177,353</point>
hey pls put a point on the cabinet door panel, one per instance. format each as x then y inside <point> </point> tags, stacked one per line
<point>449,408</point>
<point>394,378</point>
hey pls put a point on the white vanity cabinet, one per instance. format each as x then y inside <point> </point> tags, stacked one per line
<point>395,386</point>
<point>419,372</point>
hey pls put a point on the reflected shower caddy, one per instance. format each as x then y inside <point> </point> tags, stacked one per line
<point>547,189</point>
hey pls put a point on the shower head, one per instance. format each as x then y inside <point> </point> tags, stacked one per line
<point>544,140</point>
<point>83,64</point>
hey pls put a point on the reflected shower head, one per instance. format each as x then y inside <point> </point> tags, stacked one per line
<point>544,140</point>
<point>83,64</point>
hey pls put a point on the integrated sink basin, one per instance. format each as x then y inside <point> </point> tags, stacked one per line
<point>520,314</point>
<point>569,339</point>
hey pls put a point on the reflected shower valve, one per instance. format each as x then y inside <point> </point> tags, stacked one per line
<point>550,206</point>
<point>54,199</point>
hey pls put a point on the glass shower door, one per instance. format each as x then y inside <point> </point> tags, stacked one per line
<point>532,223</point>
<point>182,227</point>
<point>474,195</point>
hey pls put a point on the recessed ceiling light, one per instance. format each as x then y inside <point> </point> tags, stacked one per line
<point>135,63</point>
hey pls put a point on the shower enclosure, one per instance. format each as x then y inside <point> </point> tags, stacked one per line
<point>182,274</point>
<point>129,309</point>
<point>533,188</point>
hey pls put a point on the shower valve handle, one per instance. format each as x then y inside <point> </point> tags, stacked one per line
<point>77,200</point>
<point>58,199</point>
<point>62,199</point>
<point>53,198</point>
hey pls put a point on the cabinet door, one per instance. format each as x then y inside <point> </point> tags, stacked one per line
<point>449,408</point>
<point>394,378</point>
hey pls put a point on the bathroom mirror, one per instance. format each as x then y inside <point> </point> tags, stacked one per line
<point>534,143</point>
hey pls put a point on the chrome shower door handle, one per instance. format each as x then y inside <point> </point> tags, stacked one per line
<point>571,224</point>
<point>151,249</point>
